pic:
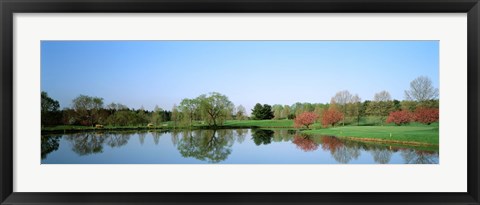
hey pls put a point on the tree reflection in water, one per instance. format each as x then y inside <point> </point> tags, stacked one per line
<point>156,137</point>
<point>419,157</point>
<point>339,150</point>
<point>207,145</point>
<point>305,143</point>
<point>49,144</point>
<point>215,146</point>
<point>381,155</point>
<point>141,137</point>
<point>91,143</point>
<point>86,143</point>
<point>261,136</point>
<point>241,135</point>
<point>117,140</point>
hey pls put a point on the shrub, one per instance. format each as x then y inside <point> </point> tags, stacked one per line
<point>400,117</point>
<point>426,115</point>
<point>291,116</point>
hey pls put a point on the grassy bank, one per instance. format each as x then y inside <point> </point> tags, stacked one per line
<point>76,128</point>
<point>413,134</point>
<point>260,123</point>
<point>398,134</point>
<point>171,125</point>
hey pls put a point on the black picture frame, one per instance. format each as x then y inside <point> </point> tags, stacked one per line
<point>9,7</point>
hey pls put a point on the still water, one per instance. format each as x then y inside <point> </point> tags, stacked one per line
<point>226,146</point>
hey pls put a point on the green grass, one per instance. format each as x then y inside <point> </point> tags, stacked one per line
<point>426,134</point>
<point>67,127</point>
<point>260,123</point>
<point>79,128</point>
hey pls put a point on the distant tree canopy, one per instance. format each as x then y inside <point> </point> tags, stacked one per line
<point>381,105</point>
<point>262,112</point>
<point>50,112</point>
<point>87,110</point>
<point>48,104</point>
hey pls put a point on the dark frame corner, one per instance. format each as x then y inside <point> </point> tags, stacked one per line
<point>9,7</point>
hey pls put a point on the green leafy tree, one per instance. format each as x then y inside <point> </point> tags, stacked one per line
<point>277,112</point>
<point>286,111</point>
<point>87,108</point>
<point>215,108</point>
<point>176,115</point>
<point>354,108</point>
<point>408,105</point>
<point>381,106</point>
<point>141,117</point>
<point>189,108</point>
<point>262,112</point>
<point>157,116</point>
<point>50,113</point>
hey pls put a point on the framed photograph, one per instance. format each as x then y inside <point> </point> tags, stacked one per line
<point>255,102</point>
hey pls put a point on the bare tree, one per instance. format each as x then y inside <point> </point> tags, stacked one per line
<point>421,89</point>
<point>342,98</point>
<point>382,96</point>
<point>355,106</point>
<point>241,113</point>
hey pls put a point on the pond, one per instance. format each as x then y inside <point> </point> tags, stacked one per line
<point>225,146</point>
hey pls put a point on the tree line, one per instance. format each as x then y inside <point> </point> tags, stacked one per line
<point>90,111</point>
<point>213,109</point>
<point>421,104</point>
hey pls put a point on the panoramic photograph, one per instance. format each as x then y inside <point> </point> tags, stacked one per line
<point>240,102</point>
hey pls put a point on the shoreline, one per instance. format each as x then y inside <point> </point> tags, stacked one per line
<point>140,128</point>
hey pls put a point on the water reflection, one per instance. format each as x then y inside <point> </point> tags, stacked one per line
<point>261,136</point>
<point>241,135</point>
<point>86,143</point>
<point>381,156</point>
<point>217,146</point>
<point>207,145</point>
<point>49,144</point>
<point>419,156</point>
<point>305,142</point>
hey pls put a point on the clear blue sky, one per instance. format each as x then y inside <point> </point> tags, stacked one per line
<point>149,73</point>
